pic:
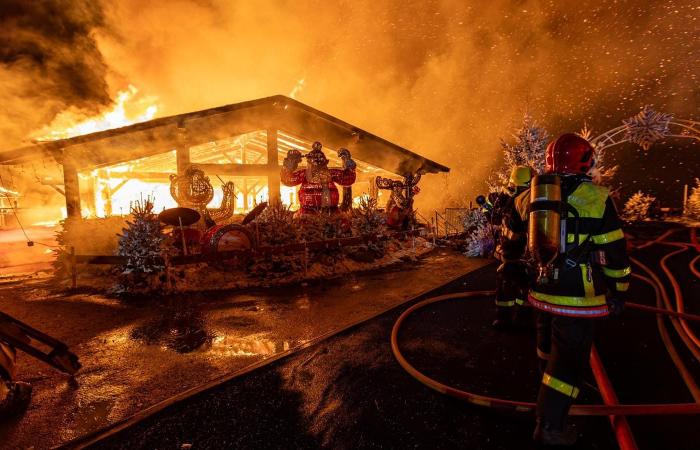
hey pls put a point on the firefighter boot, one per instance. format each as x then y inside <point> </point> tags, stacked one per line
<point>504,318</point>
<point>14,398</point>
<point>546,434</point>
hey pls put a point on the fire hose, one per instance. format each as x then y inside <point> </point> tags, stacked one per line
<point>529,407</point>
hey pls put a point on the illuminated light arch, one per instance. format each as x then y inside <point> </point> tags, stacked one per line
<point>645,129</point>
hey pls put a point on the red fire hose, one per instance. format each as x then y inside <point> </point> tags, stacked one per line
<point>622,429</point>
<point>493,402</point>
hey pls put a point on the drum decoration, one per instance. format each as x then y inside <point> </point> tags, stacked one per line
<point>229,237</point>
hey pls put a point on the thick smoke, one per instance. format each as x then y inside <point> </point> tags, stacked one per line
<point>49,62</point>
<point>446,78</point>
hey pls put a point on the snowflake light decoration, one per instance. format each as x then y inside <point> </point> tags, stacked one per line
<point>647,127</point>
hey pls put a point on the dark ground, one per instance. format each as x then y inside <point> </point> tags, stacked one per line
<point>138,352</point>
<point>349,392</point>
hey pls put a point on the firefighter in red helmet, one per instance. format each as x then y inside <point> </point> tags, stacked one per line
<point>575,236</point>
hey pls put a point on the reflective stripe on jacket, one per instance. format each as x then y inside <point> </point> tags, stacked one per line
<point>581,286</point>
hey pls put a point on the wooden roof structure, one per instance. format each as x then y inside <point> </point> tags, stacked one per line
<point>279,112</point>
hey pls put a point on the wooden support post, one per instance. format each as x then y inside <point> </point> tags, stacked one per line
<point>245,195</point>
<point>71,187</point>
<point>373,190</point>
<point>73,268</point>
<point>182,152</point>
<point>273,177</point>
<point>91,193</point>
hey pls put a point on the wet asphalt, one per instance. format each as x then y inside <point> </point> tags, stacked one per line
<point>348,392</point>
<point>138,352</point>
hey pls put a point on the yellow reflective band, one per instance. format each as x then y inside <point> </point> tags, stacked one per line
<point>480,401</point>
<point>587,284</point>
<point>607,238</point>
<point>560,386</point>
<point>519,301</point>
<point>565,300</point>
<point>589,200</point>
<point>508,303</point>
<point>617,273</point>
<point>621,286</point>
<point>571,238</point>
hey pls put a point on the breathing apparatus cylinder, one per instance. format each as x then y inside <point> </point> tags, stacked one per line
<point>544,224</point>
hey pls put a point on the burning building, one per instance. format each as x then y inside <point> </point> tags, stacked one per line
<point>101,173</point>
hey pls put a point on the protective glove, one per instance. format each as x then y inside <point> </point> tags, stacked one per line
<point>615,305</point>
<point>292,160</point>
<point>344,155</point>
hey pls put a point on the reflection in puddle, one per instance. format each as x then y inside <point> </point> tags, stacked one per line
<point>251,345</point>
<point>303,301</point>
<point>91,416</point>
<point>180,330</point>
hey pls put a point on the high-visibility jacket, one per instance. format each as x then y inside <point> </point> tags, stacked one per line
<point>596,265</point>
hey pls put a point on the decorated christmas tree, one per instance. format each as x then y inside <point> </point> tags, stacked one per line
<point>472,219</point>
<point>528,150</point>
<point>142,240</point>
<point>480,242</point>
<point>637,207</point>
<point>692,207</point>
<point>366,218</point>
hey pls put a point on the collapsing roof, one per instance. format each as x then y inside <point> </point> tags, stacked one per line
<point>278,112</point>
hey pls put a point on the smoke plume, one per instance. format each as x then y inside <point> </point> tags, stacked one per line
<point>49,61</point>
<point>444,78</point>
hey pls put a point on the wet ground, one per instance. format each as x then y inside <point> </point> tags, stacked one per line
<point>348,392</point>
<point>18,257</point>
<point>136,354</point>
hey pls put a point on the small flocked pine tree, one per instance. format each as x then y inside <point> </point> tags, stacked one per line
<point>692,207</point>
<point>142,239</point>
<point>528,149</point>
<point>637,207</point>
<point>366,218</point>
<point>600,173</point>
<point>472,219</point>
<point>480,242</point>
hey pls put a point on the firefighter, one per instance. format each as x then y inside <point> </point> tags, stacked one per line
<point>581,279</point>
<point>14,395</point>
<point>512,277</point>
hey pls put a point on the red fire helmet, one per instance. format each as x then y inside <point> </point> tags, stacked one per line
<point>569,154</point>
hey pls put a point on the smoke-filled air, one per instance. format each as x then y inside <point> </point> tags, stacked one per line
<point>446,79</point>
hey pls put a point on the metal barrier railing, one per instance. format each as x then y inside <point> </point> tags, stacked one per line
<point>450,222</point>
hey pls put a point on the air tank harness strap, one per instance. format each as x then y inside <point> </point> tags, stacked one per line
<point>574,255</point>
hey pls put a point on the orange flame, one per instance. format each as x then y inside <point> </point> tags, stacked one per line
<point>128,108</point>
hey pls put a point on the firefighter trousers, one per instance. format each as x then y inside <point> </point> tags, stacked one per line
<point>511,289</point>
<point>563,346</point>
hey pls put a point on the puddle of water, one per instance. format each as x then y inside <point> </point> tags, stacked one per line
<point>251,345</point>
<point>182,330</point>
<point>91,416</point>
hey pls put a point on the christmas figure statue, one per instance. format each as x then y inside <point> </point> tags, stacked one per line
<point>318,191</point>
<point>399,208</point>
